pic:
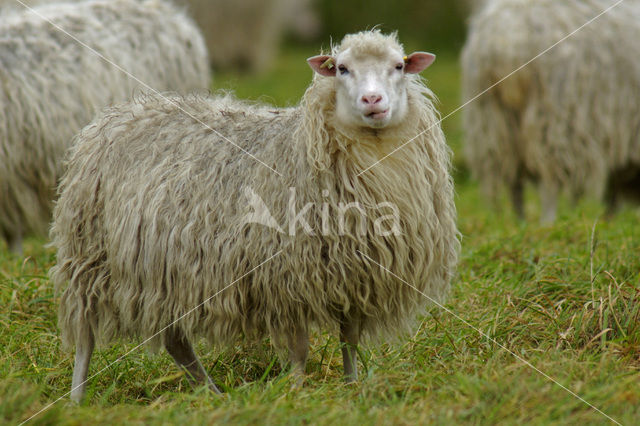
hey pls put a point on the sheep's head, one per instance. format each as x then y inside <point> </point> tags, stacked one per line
<point>370,72</point>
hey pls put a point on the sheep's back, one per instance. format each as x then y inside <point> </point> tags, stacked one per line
<point>155,187</point>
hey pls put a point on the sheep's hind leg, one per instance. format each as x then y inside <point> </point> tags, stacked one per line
<point>612,197</point>
<point>14,240</point>
<point>298,343</point>
<point>349,338</point>
<point>84,349</point>
<point>517,198</point>
<point>183,354</point>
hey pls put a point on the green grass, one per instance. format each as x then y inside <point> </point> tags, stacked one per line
<point>565,298</point>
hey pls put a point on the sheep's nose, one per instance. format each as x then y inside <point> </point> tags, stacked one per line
<point>371,99</point>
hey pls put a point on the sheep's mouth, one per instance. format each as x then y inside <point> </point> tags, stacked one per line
<point>377,115</point>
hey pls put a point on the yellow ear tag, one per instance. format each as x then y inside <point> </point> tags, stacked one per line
<point>406,59</point>
<point>327,64</point>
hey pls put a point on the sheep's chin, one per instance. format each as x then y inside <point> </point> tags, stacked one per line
<point>366,121</point>
<point>376,125</point>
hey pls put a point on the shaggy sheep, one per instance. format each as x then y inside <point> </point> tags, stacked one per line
<point>567,121</point>
<point>17,4</point>
<point>244,34</point>
<point>51,86</point>
<point>166,230</point>
<point>7,5</point>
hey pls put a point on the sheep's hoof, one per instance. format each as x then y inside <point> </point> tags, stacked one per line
<point>297,380</point>
<point>72,403</point>
<point>349,380</point>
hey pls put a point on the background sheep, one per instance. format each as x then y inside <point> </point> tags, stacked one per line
<point>17,5</point>
<point>152,216</point>
<point>8,5</point>
<point>567,121</point>
<point>245,34</point>
<point>52,86</point>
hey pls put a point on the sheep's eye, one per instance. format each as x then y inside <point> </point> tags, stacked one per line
<point>343,70</point>
<point>399,66</point>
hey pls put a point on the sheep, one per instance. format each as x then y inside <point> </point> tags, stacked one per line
<point>168,222</point>
<point>244,34</point>
<point>566,121</point>
<point>18,4</point>
<point>51,86</point>
<point>9,5</point>
<point>302,19</point>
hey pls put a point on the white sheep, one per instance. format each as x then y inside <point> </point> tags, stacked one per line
<point>51,86</point>
<point>568,121</point>
<point>20,4</point>
<point>195,216</point>
<point>7,6</point>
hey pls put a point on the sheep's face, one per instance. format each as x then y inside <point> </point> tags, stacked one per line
<point>371,91</point>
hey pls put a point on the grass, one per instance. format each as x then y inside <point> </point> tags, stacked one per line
<point>565,298</point>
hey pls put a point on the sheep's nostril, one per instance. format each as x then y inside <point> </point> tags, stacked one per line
<point>371,99</point>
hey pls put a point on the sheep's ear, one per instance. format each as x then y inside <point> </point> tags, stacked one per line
<point>323,65</point>
<point>418,61</point>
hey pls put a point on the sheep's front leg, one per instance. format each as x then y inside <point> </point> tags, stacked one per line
<point>298,342</point>
<point>84,349</point>
<point>549,202</point>
<point>183,354</point>
<point>349,338</point>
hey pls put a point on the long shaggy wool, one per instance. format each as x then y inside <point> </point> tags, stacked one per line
<point>570,120</point>
<point>150,222</point>
<point>51,86</point>
<point>19,4</point>
<point>245,34</point>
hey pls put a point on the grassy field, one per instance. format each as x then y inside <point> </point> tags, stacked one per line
<point>536,314</point>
